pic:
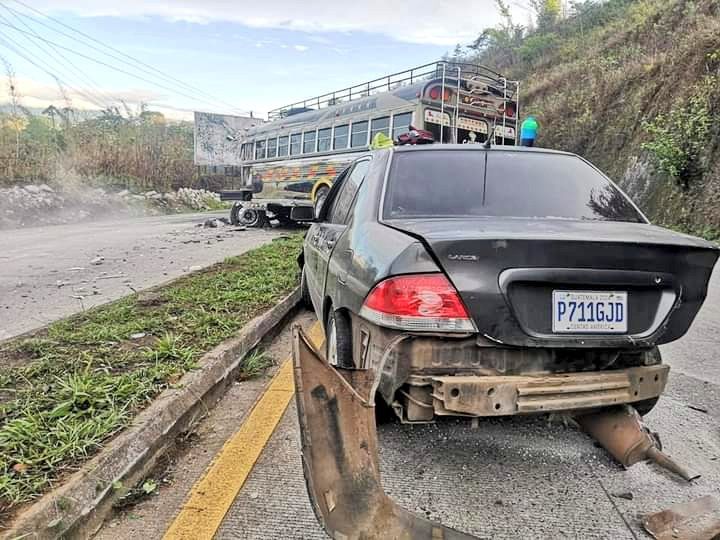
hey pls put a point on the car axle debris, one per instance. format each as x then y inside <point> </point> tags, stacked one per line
<point>620,431</point>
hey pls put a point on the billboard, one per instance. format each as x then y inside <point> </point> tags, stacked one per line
<point>218,136</point>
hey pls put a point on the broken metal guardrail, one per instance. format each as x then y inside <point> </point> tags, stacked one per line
<point>340,454</point>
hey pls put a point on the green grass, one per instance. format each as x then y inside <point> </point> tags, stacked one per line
<point>83,379</point>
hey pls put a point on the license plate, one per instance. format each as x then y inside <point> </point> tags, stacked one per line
<point>579,312</point>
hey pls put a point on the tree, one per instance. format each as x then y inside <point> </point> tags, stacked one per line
<point>547,13</point>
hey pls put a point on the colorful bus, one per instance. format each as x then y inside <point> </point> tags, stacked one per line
<point>292,158</point>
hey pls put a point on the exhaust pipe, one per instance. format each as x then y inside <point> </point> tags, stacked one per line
<point>620,431</point>
<point>340,454</point>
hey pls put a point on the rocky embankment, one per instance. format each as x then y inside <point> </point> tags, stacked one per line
<point>40,204</point>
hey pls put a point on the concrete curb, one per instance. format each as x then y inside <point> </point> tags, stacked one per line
<point>78,507</point>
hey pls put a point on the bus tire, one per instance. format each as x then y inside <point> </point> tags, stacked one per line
<point>252,217</point>
<point>235,214</point>
<point>320,196</point>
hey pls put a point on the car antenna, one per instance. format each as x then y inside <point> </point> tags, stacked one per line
<point>488,142</point>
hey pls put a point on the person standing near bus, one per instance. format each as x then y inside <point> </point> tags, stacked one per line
<point>528,131</point>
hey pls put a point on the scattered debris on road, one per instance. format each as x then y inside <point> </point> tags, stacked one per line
<point>698,408</point>
<point>694,520</point>
<point>621,432</point>
<point>98,260</point>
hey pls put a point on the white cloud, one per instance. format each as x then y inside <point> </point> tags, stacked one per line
<point>35,94</point>
<point>440,22</point>
<point>301,48</point>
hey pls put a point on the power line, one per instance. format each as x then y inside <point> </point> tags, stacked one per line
<point>120,70</point>
<point>142,66</point>
<point>45,69</point>
<point>70,67</point>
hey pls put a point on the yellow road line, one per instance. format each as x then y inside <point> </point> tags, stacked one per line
<point>211,497</point>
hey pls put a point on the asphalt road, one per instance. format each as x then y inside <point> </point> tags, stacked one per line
<point>47,273</point>
<point>506,479</point>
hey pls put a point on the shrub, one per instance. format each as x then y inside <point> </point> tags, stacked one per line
<point>677,138</point>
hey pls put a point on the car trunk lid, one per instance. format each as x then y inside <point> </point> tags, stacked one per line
<point>506,270</point>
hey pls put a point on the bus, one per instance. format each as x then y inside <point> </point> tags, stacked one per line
<point>292,158</point>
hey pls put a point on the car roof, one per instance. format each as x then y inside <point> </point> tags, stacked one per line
<point>477,148</point>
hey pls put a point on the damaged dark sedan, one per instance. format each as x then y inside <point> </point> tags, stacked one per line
<point>498,281</point>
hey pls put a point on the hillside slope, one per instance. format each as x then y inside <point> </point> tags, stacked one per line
<point>634,86</point>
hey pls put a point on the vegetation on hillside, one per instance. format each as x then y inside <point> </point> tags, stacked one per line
<point>633,85</point>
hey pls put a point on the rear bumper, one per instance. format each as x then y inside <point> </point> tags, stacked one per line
<point>471,395</point>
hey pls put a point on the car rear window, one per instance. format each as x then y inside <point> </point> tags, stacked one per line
<point>462,183</point>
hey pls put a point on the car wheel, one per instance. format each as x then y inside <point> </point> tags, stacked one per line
<point>250,217</point>
<point>338,340</point>
<point>645,406</point>
<point>320,196</point>
<point>304,291</point>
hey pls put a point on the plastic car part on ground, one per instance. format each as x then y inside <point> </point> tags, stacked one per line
<point>340,454</point>
<point>694,520</point>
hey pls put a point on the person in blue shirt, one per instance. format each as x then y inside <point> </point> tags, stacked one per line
<point>528,131</point>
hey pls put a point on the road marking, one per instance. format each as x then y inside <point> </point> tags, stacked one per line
<point>212,496</point>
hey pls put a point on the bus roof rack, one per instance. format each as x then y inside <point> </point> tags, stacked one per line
<point>390,82</point>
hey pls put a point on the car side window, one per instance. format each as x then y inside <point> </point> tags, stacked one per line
<point>341,206</point>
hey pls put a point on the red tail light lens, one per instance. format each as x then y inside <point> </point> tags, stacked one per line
<point>417,302</point>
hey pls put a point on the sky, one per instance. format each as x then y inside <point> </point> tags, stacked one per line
<point>221,56</point>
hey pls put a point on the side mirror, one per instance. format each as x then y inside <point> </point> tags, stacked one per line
<point>303,214</point>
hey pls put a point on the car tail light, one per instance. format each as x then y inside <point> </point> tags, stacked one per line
<point>417,302</point>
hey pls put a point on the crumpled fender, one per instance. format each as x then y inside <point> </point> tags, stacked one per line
<point>340,454</point>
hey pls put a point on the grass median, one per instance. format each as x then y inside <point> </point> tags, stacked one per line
<point>67,388</point>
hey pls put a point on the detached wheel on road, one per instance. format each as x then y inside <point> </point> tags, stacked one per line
<point>252,217</point>
<point>338,340</point>
<point>320,196</point>
<point>645,406</point>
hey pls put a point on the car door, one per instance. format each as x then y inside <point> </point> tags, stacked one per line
<point>330,230</point>
<point>312,244</point>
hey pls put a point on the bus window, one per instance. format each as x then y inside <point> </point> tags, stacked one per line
<point>401,124</point>
<point>380,125</point>
<point>283,146</point>
<point>295,143</point>
<point>246,151</point>
<point>259,149</point>
<point>340,139</point>
<point>324,136</point>
<point>309,142</point>
<point>272,147</point>
<point>359,135</point>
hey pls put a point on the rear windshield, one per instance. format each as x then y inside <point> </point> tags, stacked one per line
<point>458,183</point>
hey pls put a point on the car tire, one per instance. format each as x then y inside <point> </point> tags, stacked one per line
<point>304,291</point>
<point>320,196</point>
<point>645,406</point>
<point>251,217</point>
<point>338,340</point>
